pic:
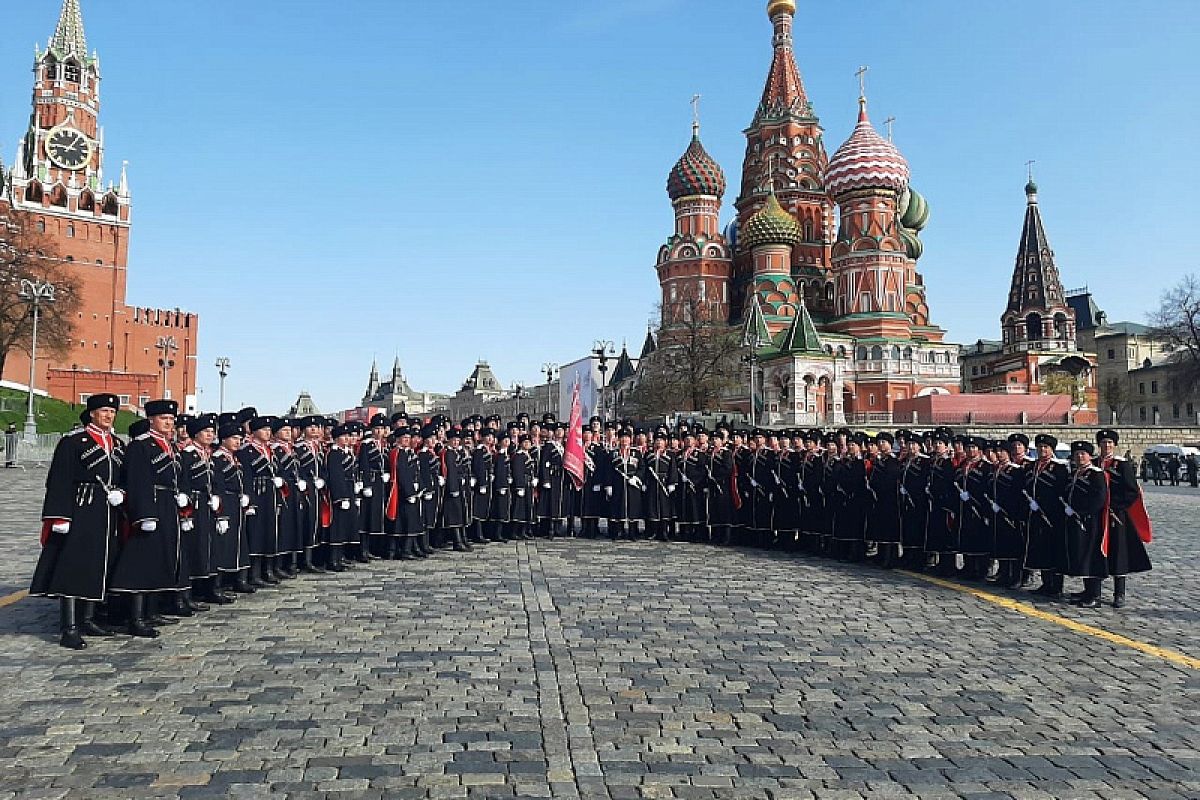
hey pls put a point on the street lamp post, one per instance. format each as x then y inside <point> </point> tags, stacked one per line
<point>222,370</point>
<point>549,368</point>
<point>518,390</point>
<point>35,293</point>
<point>167,347</point>
<point>602,349</point>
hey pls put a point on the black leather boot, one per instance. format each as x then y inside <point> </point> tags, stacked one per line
<point>241,584</point>
<point>1119,591</point>
<point>137,618</point>
<point>88,624</point>
<point>335,558</point>
<point>71,639</point>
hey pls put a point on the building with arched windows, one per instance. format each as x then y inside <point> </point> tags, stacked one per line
<point>820,264</point>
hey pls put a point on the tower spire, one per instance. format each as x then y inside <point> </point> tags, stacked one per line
<point>784,94</point>
<point>695,116</point>
<point>69,37</point>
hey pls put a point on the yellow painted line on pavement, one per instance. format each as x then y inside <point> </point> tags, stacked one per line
<point>1078,627</point>
<point>15,597</point>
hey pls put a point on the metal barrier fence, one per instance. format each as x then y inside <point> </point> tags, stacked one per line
<point>24,451</point>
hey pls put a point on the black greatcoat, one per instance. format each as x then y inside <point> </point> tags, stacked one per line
<point>974,523</point>
<point>1045,484</point>
<point>883,519</point>
<point>340,484</point>
<point>626,483</point>
<point>760,474</point>
<point>199,541</point>
<point>788,497</point>
<point>430,464</point>
<point>292,500</point>
<point>372,464</point>
<point>553,500</point>
<point>692,494</point>
<point>593,503</point>
<point>661,476</point>
<point>1087,496</point>
<point>1007,507</point>
<point>831,494</point>
<point>231,552</point>
<point>310,463</point>
<point>483,478</point>
<point>499,506</point>
<point>812,503</point>
<point>406,483</point>
<point>943,506</point>
<point>524,479</point>
<point>258,473</point>
<point>914,501</point>
<point>76,563</point>
<point>152,561</point>
<point>850,525</point>
<point>454,500</point>
<point>719,487</point>
<point>1126,550</point>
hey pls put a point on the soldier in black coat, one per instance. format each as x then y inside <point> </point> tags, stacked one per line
<point>152,559</point>
<point>944,501</point>
<point>375,474</point>
<point>850,523</point>
<point>593,506</point>
<point>661,477</point>
<point>343,527</point>
<point>762,488</point>
<point>454,489</point>
<point>1007,504</point>
<point>310,462</point>
<point>1045,484</point>
<point>523,470</point>
<point>720,489</point>
<point>483,477</point>
<point>808,485</point>
<point>914,501</point>
<point>432,482</point>
<point>233,552</point>
<point>624,487</point>
<point>1129,528</point>
<point>553,501</point>
<point>404,499</point>
<point>971,481</point>
<point>1085,518</point>
<point>693,490</point>
<point>208,526</point>
<point>499,507</point>
<point>264,485</point>
<point>884,527</point>
<point>81,520</point>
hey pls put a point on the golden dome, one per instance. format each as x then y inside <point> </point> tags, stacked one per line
<point>781,7</point>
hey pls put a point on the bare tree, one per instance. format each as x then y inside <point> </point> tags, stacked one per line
<point>696,360</point>
<point>28,254</point>
<point>1176,325</point>
<point>1114,395</point>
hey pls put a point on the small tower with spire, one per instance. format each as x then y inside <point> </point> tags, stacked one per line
<point>1037,316</point>
<point>372,384</point>
<point>694,266</point>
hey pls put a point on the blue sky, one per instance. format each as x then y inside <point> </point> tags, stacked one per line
<point>327,182</point>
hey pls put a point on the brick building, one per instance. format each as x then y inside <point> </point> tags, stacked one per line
<point>58,179</point>
<point>821,260</point>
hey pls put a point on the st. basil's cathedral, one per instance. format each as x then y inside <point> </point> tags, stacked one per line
<point>838,308</point>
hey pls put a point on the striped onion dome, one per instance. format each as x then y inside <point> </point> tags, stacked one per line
<point>696,173</point>
<point>866,161</point>
<point>771,224</point>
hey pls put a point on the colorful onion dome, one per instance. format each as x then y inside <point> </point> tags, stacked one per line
<point>866,161</point>
<point>781,7</point>
<point>771,225</point>
<point>914,210</point>
<point>696,173</point>
<point>913,246</point>
<point>731,234</point>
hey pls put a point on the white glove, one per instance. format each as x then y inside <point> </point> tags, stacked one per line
<point>520,492</point>
<point>608,491</point>
<point>770,496</point>
<point>754,483</point>
<point>904,491</point>
<point>358,503</point>
<point>244,500</point>
<point>368,492</point>
<point>474,482</point>
<point>214,502</point>
<point>150,525</point>
<point>995,507</point>
<point>964,495</point>
<point>455,494</point>
<point>429,495</point>
<point>596,488</point>
<point>358,487</point>
<point>483,490</point>
<point>250,512</point>
<point>387,477</point>
<point>344,505</point>
<point>412,499</point>
<point>115,497</point>
<point>1033,505</point>
<point>302,486</point>
<point>319,483</point>
<point>671,489</point>
<point>636,482</point>
<point>222,526</point>
<point>278,482</point>
<point>502,491</point>
<point>182,500</point>
<point>186,525</point>
<point>546,485</point>
<point>1070,512</point>
<point>441,480</point>
<point>61,527</point>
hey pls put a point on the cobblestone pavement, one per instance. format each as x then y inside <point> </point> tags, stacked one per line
<point>582,669</point>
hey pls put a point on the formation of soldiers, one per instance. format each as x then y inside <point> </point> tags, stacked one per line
<point>192,511</point>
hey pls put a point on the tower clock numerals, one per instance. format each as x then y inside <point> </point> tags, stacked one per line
<point>68,148</point>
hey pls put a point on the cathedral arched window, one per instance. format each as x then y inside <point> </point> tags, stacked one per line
<point>33,193</point>
<point>87,202</point>
<point>1033,327</point>
<point>110,205</point>
<point>876,353</point>
<point>51,69</point>
<point>58,197</point>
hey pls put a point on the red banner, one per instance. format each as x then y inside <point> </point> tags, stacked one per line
<point>573,454</point>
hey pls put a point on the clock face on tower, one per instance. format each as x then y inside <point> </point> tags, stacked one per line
<point>68,148</point>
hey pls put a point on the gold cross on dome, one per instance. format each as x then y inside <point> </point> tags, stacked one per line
<point>861,73</point>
